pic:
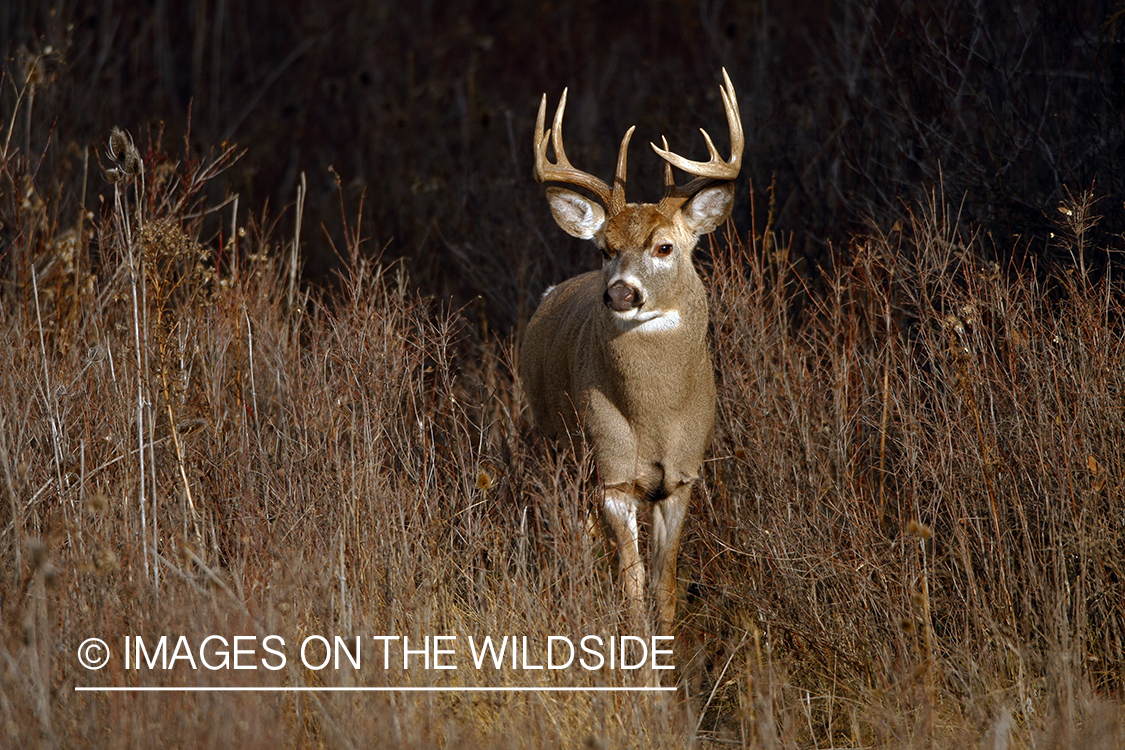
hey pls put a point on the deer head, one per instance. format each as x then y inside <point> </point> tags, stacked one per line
<point>646,248</point>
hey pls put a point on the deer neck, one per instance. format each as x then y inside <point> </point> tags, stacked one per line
<point>661,343</point>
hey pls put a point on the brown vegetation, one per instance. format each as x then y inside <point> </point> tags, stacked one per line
<point>912,530</point>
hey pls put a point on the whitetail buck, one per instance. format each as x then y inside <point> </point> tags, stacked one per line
<point>620,355</point>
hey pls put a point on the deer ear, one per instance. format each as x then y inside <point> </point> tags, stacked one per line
<point>709,208</point>
<point>578,216</point>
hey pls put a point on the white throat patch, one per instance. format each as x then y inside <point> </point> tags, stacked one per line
<point>647,321</point>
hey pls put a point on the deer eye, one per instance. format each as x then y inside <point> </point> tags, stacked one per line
<point>605,253</point>
<point>663,251</point>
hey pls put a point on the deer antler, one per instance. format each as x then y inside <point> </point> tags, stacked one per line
<point>563,171</point>
<point>709,172</point>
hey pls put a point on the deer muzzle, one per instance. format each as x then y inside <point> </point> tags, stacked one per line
<point>622,297</point>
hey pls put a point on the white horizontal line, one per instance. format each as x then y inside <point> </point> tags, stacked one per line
<point>162,689</point>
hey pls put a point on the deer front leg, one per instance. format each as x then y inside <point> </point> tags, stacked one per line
<point>619,509</point>
<point>667,524</point>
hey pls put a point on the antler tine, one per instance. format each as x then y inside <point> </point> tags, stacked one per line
<point>617,199</point>
<point>706,173</point>
<point>562,170</point>
<point>669,180</point>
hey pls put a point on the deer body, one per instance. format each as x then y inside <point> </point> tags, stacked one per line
<point>644,398</point>
<point>620,355</point>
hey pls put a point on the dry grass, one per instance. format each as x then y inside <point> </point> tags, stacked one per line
<point>915,496</point>
<point>912,532</point>
<point>186,453</point>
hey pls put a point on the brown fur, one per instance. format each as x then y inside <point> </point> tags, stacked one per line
<point>620,356</point>
<point>644,399</point>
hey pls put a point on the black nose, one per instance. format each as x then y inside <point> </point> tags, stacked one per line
<point>621,297</point>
